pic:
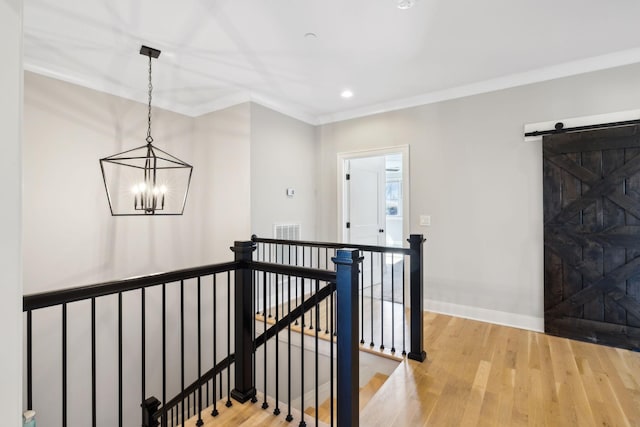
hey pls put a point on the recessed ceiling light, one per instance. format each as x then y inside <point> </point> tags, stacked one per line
<point>405,4</point>
<point>346,94</point>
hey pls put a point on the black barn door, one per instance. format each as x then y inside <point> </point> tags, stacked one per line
<point>592,236</point>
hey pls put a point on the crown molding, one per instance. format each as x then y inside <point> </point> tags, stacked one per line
<point>109,89</point>
<point>566,69</point>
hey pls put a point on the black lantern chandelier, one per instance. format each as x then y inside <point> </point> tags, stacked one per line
<point>146,180</point>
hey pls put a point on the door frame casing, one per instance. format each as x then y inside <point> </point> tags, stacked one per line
<point>342,191</point>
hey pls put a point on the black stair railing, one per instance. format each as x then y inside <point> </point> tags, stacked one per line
<point>381,287</point>
<point>233,322</point>
<point>86,305</point>
<point>339,286</point>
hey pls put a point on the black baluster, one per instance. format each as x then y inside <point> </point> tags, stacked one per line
<point>93,362</point>
<point>214,412</point>
<point>289,417</point>
<point>265,405</point>
<point>404,308</point>
<point>29,360</point>
<point>371,296</point>
<point>393,305</point>
<point>255,286</point>
<point>183,419</point>
<point>164,344</point>
<point>362,302</point>
<point>326,301</point>
<point>270,260</point>
<point>381,301</point>
<point>257,280</point>
<point>317,322</point>
<point>64,365</point>
<point>276,411</point>
<point>302,423</point>
<point>199,422</point>
<point>302,290</point>
<point>143,355</point>
<point>228,404</point>
<point>296,253</point>
<point>120,359</point>
<point>220,383</point>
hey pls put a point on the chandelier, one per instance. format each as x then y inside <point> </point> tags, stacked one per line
<point>146,180</point>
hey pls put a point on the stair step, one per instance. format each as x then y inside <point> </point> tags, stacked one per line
<point>371,388</point>
<point>250,414</point>
<point>366,393</point>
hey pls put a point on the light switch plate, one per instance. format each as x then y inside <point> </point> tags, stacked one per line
<point>425,220</point>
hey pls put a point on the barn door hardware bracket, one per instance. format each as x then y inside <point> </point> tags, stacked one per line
<point>559,128</point>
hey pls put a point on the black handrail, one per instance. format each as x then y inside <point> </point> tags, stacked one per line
<point>289,270</point>
<point>331,245</point>
<point>191,388</point>
<point>307,305</point>
<point>61,296</point>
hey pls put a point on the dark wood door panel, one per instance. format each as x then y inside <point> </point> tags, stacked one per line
<point>592,235</point>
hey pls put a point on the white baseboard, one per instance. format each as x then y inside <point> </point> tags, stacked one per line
<point>504,318</point>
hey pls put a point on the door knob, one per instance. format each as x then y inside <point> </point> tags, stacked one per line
<point>381,231</point>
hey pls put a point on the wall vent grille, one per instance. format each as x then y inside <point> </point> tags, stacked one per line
<point>286,231</point>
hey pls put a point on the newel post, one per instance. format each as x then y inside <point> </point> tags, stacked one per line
<point>347,262</point>
<point>244,388</point>
<point>416,277</point>
<point>149,407</point>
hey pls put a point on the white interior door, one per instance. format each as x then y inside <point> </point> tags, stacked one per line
<point>366,211</point>
<point>366,188</point>
<point>363,203</point>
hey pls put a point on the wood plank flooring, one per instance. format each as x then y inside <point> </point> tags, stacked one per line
<point>480,374</point>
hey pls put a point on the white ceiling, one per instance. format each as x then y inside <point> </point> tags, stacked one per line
<point>219,53</point>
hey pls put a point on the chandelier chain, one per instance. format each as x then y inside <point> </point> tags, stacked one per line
<point>149,137</point>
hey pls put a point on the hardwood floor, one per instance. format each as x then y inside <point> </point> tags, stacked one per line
<point>480,374</point>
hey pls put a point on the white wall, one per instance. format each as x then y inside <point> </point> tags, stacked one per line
<point>282,155</point>
<point>10,221</point>
<point>482,185</point>
<point>70,238</point>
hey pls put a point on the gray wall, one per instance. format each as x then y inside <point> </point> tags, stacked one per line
<point>282,155</point>
<point>10,221</point>
<point>482,184</point>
